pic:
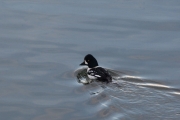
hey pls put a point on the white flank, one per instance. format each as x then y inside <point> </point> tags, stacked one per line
<point>88,69</point>
<point>97,76</point>
<point>92,77</point>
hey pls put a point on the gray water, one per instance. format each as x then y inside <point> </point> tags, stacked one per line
<point>43,42</point>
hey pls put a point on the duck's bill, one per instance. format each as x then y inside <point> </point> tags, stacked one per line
<point>83,63</point>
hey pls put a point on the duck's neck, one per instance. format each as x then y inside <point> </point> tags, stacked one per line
<point>91,68</point>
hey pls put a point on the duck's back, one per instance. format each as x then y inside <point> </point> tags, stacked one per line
<point>102,74</point>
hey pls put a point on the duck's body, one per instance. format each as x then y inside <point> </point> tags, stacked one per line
<point>94,71</point>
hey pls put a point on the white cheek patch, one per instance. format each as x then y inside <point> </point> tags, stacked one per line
<point>85,62</point>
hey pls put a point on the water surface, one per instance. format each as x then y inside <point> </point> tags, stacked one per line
<point>43,43</point>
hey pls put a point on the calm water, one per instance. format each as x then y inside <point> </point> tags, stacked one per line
<point>43,42</point>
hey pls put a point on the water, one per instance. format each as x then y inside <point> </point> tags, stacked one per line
<point>43,43</point>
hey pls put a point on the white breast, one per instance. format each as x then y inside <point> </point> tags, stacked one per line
<point>90,76</point>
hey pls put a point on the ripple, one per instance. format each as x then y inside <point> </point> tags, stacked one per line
<point>176,93</point>
<point>129,95</point>
<point>100,98</point>
<point>155,85</point>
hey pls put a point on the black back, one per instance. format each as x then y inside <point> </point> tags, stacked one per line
<point>105,76</point>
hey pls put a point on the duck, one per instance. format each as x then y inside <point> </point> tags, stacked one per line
<point>94,71</point>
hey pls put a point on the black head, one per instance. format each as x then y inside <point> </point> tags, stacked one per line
<point>90,61</point>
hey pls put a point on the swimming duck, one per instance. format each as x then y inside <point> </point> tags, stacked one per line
<point>94,71</point>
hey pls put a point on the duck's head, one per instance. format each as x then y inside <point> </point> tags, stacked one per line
<point>90,61</point>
